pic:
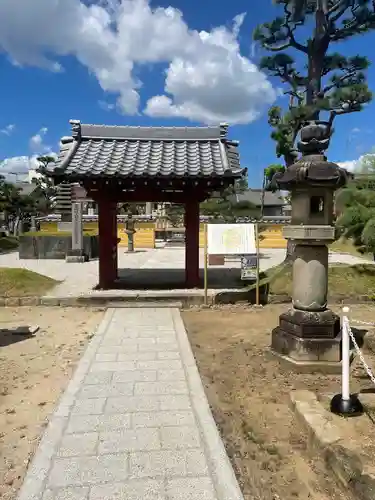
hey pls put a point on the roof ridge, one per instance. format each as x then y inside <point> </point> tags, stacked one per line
<point>212,132</point>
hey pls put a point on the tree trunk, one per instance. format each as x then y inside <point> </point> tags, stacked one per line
<point>16,225</point>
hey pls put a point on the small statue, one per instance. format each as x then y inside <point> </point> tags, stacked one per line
<point>130,230</point>
<point>129,224</point>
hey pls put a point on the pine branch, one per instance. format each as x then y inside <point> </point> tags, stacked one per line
<point>338,9</point>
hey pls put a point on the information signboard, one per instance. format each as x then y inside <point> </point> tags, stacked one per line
<point>231,239</point>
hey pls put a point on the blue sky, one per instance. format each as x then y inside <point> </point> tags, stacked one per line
<point>56,68</point>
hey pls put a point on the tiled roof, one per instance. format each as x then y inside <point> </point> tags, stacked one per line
<point>254,196</point>
<point>106,151</point>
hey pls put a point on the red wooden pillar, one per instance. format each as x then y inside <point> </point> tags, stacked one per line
<point>192,244</point>
<point>107,215</point>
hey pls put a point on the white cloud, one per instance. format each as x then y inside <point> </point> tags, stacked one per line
<point>8,130</point>
<point>18,167</point>
<point>363,163</point>
<point>207,79</point>
<point>36,142</point>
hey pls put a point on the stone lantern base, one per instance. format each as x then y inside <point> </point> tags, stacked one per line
<point>308,341</point>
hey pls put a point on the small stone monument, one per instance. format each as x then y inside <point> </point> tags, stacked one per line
<point>130,231</point>
<point>33,226</point>
<point>308,336</point>
<point>76,254</point>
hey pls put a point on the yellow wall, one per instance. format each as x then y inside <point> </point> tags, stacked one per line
<point>48,227</point>
<point>143,238</point>
<point>271,234</point>
<point>272,237</point>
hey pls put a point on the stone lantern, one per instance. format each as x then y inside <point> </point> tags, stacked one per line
<point>308,336</point>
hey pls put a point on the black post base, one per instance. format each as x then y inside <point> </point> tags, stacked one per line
<point>346,408</point>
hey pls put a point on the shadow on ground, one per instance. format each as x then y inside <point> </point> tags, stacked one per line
<point>174,279</point>
<point>13,335</point>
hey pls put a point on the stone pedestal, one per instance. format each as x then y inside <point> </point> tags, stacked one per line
<point>130,234</point>
<point>308,340</point>
<point>308,337</point>
<point>76,254</point>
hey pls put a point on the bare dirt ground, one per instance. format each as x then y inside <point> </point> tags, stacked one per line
<point>33,374</point>
<point>249,395</point>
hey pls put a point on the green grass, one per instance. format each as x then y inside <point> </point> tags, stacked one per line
<point>343,280</point>
<point>346,246</point>
<point>8,243</point>
<point>15,282</point>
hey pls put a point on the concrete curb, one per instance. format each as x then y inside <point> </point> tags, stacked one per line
<point>159,300</point>
<point>226,484</point>
<point>33,484</point>
<point>327,438</point>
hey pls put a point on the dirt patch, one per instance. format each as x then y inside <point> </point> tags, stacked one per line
<point>248,392</point>
<point>33,374</point>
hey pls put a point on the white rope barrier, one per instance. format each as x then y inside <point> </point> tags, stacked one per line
<point>347,404</point>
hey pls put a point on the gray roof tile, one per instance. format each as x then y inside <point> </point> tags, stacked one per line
<point>254,196</point>
<point>99,150</point>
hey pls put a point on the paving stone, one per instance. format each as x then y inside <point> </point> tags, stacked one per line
<point>142,341</point>
<point>94,406</point>
<point>175,402</point>
<point>190,488</point>
<point>83,471</point>
<point>157,333</point>
<point>132,404</point>
<point>167,463</point>
<point>180,437</point>
<point>112,366</point>
<point>159,364</point>
<point>77,493</point>
<point>166,339</point>
<point>129,440</point>
<point>177,387</point>
<point>132,490</point>
<point>110,356</point>
<point>130,334</point>
<point>106,391</point>
<point>118,341</point>
<point>98,378</point>
<point>97,423</point>
<point>168,355</point>
<point>162,418</point>
<point>136,356</point>
<point>170,375</point>
<point>78,444</point>
<point>135,376</point>
<point>110,348</point>
<point>170,346</point>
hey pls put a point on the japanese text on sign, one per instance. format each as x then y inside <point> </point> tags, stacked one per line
<point>231,239</point>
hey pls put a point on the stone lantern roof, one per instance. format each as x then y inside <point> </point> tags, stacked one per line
<point>313,168</point>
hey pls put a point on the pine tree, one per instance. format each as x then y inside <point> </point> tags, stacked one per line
<point>319,82</point>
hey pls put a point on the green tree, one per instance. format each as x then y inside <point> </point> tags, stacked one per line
<point>45,190</point>
<point>317,81</point>
<point>225,207</point>
<point>175,214</point>
<point>14,206</point>
<point>356,204</point>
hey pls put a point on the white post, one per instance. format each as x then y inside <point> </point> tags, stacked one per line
<point>345,363</point>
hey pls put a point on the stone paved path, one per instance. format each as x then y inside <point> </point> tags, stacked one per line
<point>134,422</point>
